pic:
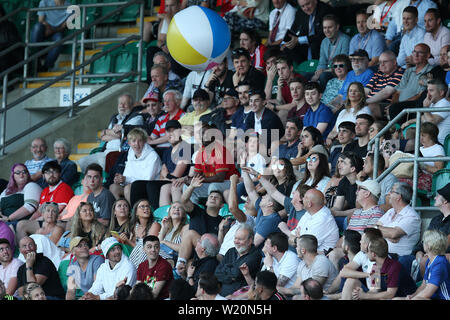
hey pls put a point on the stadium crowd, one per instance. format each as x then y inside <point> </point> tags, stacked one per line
<point>251,180</point>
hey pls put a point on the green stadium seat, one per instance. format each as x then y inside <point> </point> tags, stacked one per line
<point>101,66</point>
<point>412,125</point>
<point>160,213</point>
<point>350,30</point>
<point>447,145</point>
<point>105,10</point>
<point>129,13</point>
<point>125,61</point>
<point>440,179</point>
<point>307,66</point>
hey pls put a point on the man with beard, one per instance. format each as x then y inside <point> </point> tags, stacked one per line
<point>57,191</point>
<point>116,270</point>
<point>220,80</point>
<point>243,256</point>
<point>245,71</point>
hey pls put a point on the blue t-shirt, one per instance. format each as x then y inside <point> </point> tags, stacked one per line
<point>288,152</point>
<point>437,273</point>
<point>447,78</point>
<point>238,118</point>
<point>53,17</point>
<point>322,114</point>
<point>364,78</point>
<point>265,225</point>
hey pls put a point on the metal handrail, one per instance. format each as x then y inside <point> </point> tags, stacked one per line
<point>74,69</point>
<point>416,158</point>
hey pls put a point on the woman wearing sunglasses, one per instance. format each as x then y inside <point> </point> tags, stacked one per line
<point>283,175</point>
<point>340,66</point>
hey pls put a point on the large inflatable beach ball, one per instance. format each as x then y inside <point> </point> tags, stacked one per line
<point>198,38</point>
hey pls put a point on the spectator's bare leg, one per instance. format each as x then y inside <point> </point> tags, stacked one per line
<point>349,285</point>
<point>25,228</point>
<point>165,196</point>
<point>116,190</point>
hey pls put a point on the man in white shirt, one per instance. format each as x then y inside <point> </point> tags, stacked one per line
<point>280,260</point>
<point>401,224</point>
<point>437,91</point>
<point>116,270</point>
<point>280,20</point>
<point>318,221</point>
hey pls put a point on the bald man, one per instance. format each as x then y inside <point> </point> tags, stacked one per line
<point>318,221</point>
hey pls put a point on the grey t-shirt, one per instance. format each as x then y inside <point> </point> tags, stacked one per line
<point>102,204</point>
<point>86,277</point>
<point>321,267</point>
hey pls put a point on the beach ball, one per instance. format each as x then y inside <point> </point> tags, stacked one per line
<point>198,38</point>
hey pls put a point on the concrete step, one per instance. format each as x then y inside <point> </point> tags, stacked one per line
<point>34,85</point>
<point>123,32</point>
<point>147,19</point>
<point>77,156</point>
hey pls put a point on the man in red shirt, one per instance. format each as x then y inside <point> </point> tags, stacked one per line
<point>57,191</point>
<point>156,272</point>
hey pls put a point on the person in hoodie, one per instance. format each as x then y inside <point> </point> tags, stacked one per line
<point>116,270</point>
<point>143,163</point>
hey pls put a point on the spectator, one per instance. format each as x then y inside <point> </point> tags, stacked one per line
<point>160,81</point>
<point>86,225</point>
<point>387,275</point>
<point>334,43</point>
<point>57,191</point>
<point>367,39</point>
<point>385,184</point>
<point>206,250</point>
<point>306,33</point>
<point>155,271</point>
<point>8,267</point>
<point>250,40</point>
<point>436,279</point>
<point>82,270</point>
<point>125,119</point>
<point>344,253</point>
<point>265,287</point>
<point>195,80</point>
<point>279,260</point>
<point>220,80</point>
<point>388,74</point>
<point>244,15</point>
<point>318,222</point>
<point>413,35</point>
<point>62,149</point>
<point>208,287</point>
<point>141,291</point>
<point>312,265</point>
<point>435,99</point>
<point>181,290</point>
<point>152,111</point>
<point>281,19</point>
<point>408,92</point>
<point>142,224</point>
<point>228,271</point>
<point>346,142</point>
<point>34,166</point>
<point>311,289</point>
<point>40,269</point>
<point>245,71</point>
<point>299,107</point>
<point>49,227</point>
<point>262,119</point>
<point>349,165</point>
<point>287,146</point>
<point>143,163</point>
<point>310,137</point>
<point>50,27</point>
<point>173,226</point>
<point>158,139</point>
<point>319,115</point>
<point>116,269</point>
<point>162,58</point>
<point>340,67</point>
<point>120,224</point>
<point>317,174</point>
<point>34,291</point>
<point>239,118</point>
<point>401,224</point>
<point>20,198</point>
<point>271,82</point>
<point>6,232</point>
<point>436,36</point>
<point>362,127</point>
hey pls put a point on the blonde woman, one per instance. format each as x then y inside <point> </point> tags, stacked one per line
<point>142,224</point>
<point>34,291</point>
<point>86,225</point>
<point>173,227</point>
<point>49,226</point>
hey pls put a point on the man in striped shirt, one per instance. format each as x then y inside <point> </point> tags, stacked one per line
<point>389,74</point>
<point>172,101</point>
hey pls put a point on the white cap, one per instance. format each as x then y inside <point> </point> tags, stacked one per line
<point>372,185</point>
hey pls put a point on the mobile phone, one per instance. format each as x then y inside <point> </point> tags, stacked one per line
<point>115,233</point>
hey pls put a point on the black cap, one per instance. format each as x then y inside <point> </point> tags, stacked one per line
<point>232,93</point>
<point>445,192</point>
<point>261,93</point>
<point>51,165</point>
<point>200,94</point>
<point>173,124</point>
<point>360,53</point>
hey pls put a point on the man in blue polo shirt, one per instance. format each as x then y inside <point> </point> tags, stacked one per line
<point>319,115</point>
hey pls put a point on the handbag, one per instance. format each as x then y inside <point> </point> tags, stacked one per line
<point>403,170</point>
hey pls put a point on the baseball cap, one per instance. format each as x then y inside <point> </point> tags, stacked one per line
<point>445,192</point>
<point>76,241</point>
<point>360,53</point>
<point>153,96</point>
<point>232,93</point>
<point>173,124</point>
<point>200,94</point>
<point>372,185</point>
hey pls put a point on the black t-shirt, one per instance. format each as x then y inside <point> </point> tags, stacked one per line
<point>219,89</point>
<point>348,190</point>
<point>43,266</point>
<point>202,222</point>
